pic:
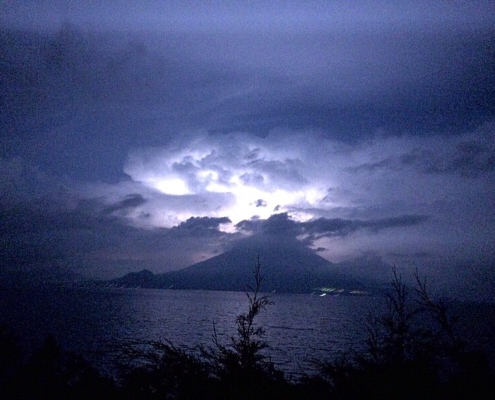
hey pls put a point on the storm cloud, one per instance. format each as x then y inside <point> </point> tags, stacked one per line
<point>156,135</point>
<point>282,224</point>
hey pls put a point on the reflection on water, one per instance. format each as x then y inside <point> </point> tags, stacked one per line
<point>87,320</point>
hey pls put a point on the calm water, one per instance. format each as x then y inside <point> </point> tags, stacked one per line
<point>298,327</point>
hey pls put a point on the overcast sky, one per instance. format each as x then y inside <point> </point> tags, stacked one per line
<point>157,134</point>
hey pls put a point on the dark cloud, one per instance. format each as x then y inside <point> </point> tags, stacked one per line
<point>284,172</point>
<point>93,239</point>
<point>469,156</point>
<point>282,224</point>
<point>90,95</point>
<point>332,227</point>
<point>387,163</point>
<point>203,223</point>
<point>252,179</point>
<point>338,227</point>
<point>395,222</point>
<point>129,202</point>
<point>251,225</point>
<point>260,203</point>
<point>279,224</point>
<point>45,216</point>
<point>45,232</point>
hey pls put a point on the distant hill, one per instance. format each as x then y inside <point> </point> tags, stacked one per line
<point>142,278</point>
<point>287,266</point>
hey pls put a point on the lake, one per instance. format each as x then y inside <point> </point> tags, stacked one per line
<point>299,327</point>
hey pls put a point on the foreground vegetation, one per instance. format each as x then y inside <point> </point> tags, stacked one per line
<point>412,351</point>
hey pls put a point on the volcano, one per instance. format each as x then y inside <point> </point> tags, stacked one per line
<point>286,266</point>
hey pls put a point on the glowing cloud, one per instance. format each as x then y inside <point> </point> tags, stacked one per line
<point>170,185</point>
<point>259,179</point>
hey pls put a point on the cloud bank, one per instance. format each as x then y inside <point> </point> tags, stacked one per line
<point>157,135</point>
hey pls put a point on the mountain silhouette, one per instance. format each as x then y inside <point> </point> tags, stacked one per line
<point>287,266</point>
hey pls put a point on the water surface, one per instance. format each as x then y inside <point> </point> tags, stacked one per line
<point>299,327</point>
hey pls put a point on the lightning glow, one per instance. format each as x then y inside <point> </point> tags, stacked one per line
<point>254,190</point>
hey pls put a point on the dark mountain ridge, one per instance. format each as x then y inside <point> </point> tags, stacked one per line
<point>287,266</point>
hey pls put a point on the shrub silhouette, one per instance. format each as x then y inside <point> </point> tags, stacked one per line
<point>51,373</point>
<point>10,358</point>
<point>412,352</point>
<point>236,370</point>
<point>160,370</point>
<point>241,365</point>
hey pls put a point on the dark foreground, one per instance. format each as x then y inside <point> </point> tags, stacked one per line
<point>412,351</point>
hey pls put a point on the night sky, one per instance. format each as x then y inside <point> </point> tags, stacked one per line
<point>158,134</point>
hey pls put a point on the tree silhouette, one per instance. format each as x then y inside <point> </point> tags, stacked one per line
<point>412,351</point>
